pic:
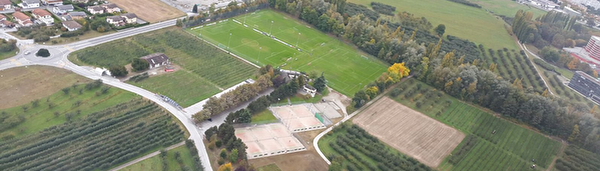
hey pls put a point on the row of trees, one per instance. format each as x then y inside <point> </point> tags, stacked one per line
<point>554,28</point>
<point>565,60</point>
<point>233,150</point>
<point>235,97</point>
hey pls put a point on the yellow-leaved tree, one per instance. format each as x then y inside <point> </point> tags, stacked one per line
<point>398,71</point>
<point>226,167</point>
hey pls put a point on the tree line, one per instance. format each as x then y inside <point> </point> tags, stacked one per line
<point>551,29</point>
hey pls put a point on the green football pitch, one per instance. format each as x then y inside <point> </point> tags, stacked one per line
<point>294,46</point>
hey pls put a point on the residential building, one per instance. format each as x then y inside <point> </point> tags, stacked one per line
<point>81,1</point>
<point>22,19</point>
<point>130,18</point>
<point>2,17</point>
<point>6,23</point>
<point>71,25</point>
<point>95,9</point>
<point>156,60</point>
<point>62,9</point>
<point>5,5</point>
<point>75,15</point>
<point>586,85</point>
<point>43,16</point>
<point>52,2</point>
<point>30,3</point>
<point>111,8</point>
<point>115,20</point>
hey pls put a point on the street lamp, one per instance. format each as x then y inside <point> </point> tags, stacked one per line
<point>270,30</point>
<point>228,43</point>
<point>298,40</point>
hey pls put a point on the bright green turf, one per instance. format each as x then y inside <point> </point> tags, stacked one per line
<point>511,143</point>
<point>345,68</point>
<point>507,7</point>
<point>180,87</point>
<point>41,117</point>
<point>462,21</point>
<point>263,117</point>
<point>155,163</point>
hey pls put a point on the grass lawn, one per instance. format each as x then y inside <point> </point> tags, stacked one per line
<point>183,87</point>
<point>508,7</point>
<point>151,164</point>
<point>44,116</point>
<point>205,69</point>
<point>24,84</point>
<point>462,21</point>
<point>346,69</point>
<point>510,147</point>
<point>4,55</point>
<point>263,117</point>
<point>271,167</point>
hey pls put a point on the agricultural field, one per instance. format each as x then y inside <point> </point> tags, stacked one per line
<point>563,90</point>
<point>346,69</point>
<point>508,8</point>
<point>462,21</point>
<point>66,105</point>
<point>101,140</point>
<point>150,10</point>
<point>414,134</point>
<point>201,63</point>
<point>575,159</point>
<point>175,159</point>
<point>25,84</point>
<point>179,87</point>
<point>513,65</point>
<point>354,148</point>
<point>491,143</point>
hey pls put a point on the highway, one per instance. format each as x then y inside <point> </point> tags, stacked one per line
<point>58,58</point>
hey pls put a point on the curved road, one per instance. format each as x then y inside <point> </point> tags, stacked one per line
<point>59,59</point>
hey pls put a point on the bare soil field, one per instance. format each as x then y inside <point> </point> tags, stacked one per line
<point>22,85</point>
<point>409,131</point>
<point>308,160</point>
<point>149,10</point>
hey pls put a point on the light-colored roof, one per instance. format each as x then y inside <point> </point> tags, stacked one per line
<point>95,8</point>
<point>71,24</point>
<point>111,5</point>
<point>41,12</point>
<point>5,2</point>
<point>21,16</point>
<point>31,1</point>
<point>77,13</point>
<point>129,15</point>
<point>65,7</point>
<point>155,58</point>
<point>114,18</point>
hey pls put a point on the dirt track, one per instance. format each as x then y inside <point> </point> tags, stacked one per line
<point>409,131</point>
<point>149,10</point>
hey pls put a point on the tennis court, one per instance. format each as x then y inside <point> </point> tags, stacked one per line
<point>268,140</point>
<point>298,118</point>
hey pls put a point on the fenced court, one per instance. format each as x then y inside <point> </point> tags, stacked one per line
<point>409,131</point>
<point>268,140</point>
<point>298,118</point>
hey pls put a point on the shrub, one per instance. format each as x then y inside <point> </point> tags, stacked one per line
<point>43,53</point>
<point>139,64</point>
<point>118,71</point>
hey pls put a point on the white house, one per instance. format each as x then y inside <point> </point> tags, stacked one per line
<point>75,15</point>
<point>115,20</point>
<point>156,59</point>
<point>22,19</point>
<point>310,90</point>
<point>111,8</point>
<point>62,9</point>
<point>5,5</point>
<point>43,16</point>
<point>30,3</point>
<point>95,10</point>
<point>130,18</point>
<point>71,25</point>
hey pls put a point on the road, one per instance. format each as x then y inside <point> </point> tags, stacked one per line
<point>522,46</point>
<point>59,59</point>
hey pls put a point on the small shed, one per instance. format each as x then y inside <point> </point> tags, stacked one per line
<point>156,59</point>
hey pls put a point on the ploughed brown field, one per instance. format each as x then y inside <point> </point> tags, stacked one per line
<point>409,131</point>
<point>149,10</point>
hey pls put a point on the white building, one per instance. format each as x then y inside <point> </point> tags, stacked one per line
<point>30,3</point>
